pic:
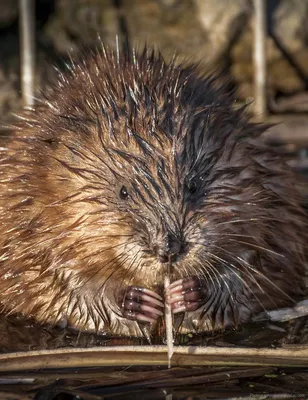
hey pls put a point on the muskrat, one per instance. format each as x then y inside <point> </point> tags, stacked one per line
<point>130,164</point>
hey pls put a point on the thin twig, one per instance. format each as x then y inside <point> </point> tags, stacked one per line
<point>27,41</point>
<point>260,106</point>
<point>153,355</point>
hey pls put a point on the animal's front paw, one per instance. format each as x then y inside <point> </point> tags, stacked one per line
<point>185,295</point>
<point>141,304</point>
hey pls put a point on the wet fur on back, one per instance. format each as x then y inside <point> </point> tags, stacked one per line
<point>191,165</point>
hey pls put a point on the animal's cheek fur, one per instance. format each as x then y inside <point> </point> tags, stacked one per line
<point>213,245</point>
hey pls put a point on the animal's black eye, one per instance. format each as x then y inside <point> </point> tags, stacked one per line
<point>124,193</point>
<point>192,186</point>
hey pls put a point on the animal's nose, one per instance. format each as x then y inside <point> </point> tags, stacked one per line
<point>169,248</point>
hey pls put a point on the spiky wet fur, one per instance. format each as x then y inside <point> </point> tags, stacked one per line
<point>70,245</point>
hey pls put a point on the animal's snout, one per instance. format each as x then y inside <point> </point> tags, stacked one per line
<point>169,248</point>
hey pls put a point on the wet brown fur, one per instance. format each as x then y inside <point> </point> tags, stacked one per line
<point>70,245</point>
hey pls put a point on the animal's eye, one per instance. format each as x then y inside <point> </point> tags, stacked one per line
<point>192,186</point>
<point>124,193</point>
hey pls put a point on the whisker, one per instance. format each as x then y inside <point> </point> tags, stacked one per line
<point>233,269</point>
<point>252,277</point>
<point>258,247</point>
<point>254,219</point>
<point>249,271</point>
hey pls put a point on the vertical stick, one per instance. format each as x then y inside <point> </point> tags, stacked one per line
<point>168,321</point>
<point>259,58</point>
<point>27,44</point>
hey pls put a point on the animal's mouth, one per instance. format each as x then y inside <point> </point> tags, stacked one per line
<point>169,259</point>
